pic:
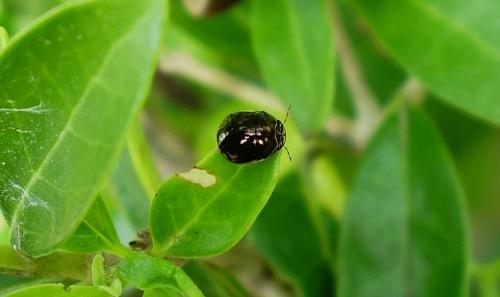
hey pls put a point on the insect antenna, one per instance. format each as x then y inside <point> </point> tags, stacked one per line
<point>287,112</point>
<point>288,153</point>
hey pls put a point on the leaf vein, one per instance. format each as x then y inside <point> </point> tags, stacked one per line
<point>32,181</point>
<point>173,238</point>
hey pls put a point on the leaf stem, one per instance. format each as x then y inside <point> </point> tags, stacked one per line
<point>412,91</point>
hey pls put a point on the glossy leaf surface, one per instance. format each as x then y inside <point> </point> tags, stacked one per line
<point>404,228</point>
<point>289,235</point>
<point>150,273</point>
<point>192,220</point>
<point>293,43</point>
<point>454,47</point>
<point>66,98</point>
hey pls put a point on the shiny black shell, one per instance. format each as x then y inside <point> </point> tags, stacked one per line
<point>250,136</point>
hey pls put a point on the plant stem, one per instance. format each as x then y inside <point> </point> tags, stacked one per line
<point>368,111</point>
<point>339,126</point>
<point>182,64</point>
<point>412,91</point>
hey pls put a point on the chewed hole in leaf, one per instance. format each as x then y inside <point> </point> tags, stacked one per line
<point>199,176</point>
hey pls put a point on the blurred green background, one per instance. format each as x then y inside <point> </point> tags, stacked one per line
<point>245,57</point>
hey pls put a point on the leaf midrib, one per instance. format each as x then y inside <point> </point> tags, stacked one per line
<point>168,244</point>
<point>37,173</point>
<point>100,234</point>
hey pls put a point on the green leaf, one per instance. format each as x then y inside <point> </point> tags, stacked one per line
<point>327,185</point>
<point>135,179</point>
<point>214,281</point>
<point>203,39</point>
<point>4,38</point>
<point>404,231</point>
<point>58,290</point>
<point>142,159</point>
<point>486,279</point>
<point>4,231</point>
<point>293,44</point>
<point>65,110</point>
<point>95,233</point>
<point>9,283</point>
<point>289,234</point>
<point>114,289</point>
<point>129,194</point>
<point>454,47</point>
<point>16,15</point>
<point>206,211</point>
<point>162,292</point>
<point>98,271</point>
<point>146,272</point>
<point>474,146</point>
<point>101,280</point>
<point>54,266</point>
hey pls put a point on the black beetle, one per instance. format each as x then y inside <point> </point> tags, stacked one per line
<point>250,136</point>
